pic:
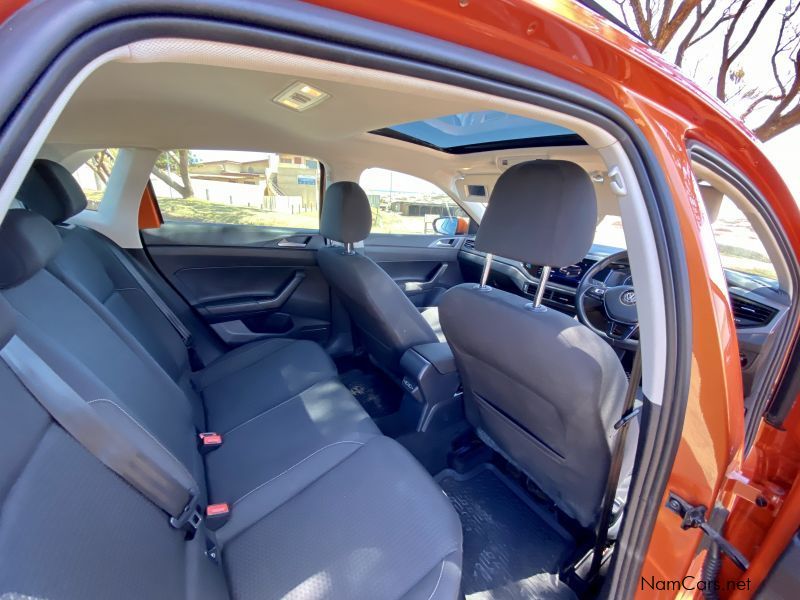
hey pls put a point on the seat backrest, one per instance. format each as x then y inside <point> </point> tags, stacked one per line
<point>137,384</point>
<point>71,527</point>
<point>89,262</point>
<point>388,321</point>
<point>540,388</point>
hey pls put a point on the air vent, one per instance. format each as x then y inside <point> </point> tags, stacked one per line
<point>300,96</point>
<point>469,244</point>
<point>751,314</point>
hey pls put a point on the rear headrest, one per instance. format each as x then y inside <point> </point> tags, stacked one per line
<point>542,212</point>
<point>51,190</point>
<point>28,242</point>
<point>346,214</point>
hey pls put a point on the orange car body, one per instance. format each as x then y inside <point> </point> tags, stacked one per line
<point>571,42</point>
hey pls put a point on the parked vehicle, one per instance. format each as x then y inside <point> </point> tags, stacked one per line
<point>276,274</point>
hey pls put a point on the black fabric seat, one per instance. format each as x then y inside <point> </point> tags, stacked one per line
<point>389,323</point>
<point>321,504</point>
<point>539,386</point>
<point>236,385</point>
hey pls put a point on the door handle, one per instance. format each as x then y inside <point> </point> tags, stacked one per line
<point>284,243</point>
<point>450,242</point>
<point>418,286</point>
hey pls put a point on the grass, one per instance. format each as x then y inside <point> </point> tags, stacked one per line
<point>202,211</point>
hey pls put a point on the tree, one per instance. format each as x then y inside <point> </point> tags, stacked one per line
<point>678,29</point>
<point>101,162</point>
<point>172,164</point>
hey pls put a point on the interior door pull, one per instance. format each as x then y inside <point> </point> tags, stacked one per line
<point>235,308</point>
<point>284,243</point>
<point>416,286</point>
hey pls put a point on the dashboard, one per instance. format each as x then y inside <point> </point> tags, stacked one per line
<point>757,306</point>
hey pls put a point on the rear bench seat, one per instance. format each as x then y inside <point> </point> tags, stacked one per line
<point>236,385</point>
<point>322,504</point>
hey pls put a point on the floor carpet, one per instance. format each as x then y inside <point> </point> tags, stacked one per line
<point>512,549</point>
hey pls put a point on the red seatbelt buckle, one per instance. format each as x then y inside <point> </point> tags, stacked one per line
<point>217,515</point>
<point>209,441</point>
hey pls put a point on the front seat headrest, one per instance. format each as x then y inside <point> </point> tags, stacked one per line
<point>51,190</point>
<point>542,212</point>
<point>28,242</point>
<point>346,213</point>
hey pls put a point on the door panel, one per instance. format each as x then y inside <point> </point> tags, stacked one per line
<point>247,282</point>
<point>424,266</point>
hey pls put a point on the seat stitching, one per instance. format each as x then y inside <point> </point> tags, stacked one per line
<point>154,438</point>
<point>438,581</point>
<point>258,487</point>
<point>271,408</point>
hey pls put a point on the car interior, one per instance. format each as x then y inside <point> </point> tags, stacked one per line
<point>333,389</point>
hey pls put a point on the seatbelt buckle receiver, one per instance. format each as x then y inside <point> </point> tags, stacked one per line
<point>209,441</point>
<point>217,515</point>
<point>190,519</point>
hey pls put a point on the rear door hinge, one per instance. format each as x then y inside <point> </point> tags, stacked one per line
<point>694,517</point>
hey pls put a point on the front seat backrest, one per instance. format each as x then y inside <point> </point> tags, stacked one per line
<point>386,318</point>
<point>539,387</point>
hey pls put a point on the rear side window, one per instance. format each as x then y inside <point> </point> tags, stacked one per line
<point>404,204</point>
<point>93,174</point>
<point>238,188</point>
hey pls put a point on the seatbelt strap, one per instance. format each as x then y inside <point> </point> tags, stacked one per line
<point>165,310</point>
<point>617,454</point>
<point>133,454</point>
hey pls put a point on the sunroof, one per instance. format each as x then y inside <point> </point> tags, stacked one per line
<point>481,130</point>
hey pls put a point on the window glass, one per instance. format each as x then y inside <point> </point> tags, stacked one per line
<point>609,232</point>
<point>405,204</point>
<point>92,175</point>
<point>739,246</point>
<point>238,188</point>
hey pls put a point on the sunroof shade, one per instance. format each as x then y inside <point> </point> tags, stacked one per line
<point>474,130</point>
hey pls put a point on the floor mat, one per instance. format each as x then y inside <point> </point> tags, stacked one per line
<point>512,549</point>
<point>377,393</point>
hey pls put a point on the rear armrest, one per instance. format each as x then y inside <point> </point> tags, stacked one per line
<point>439,355</point>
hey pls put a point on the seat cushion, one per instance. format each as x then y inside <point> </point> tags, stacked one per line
<point>258,376</point>
<point>312,430</point>
<point>374,526</point>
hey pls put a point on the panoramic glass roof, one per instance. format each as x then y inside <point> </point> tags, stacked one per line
<point>472,131</point>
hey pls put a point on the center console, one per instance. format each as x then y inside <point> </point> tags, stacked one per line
<point>430,379</point>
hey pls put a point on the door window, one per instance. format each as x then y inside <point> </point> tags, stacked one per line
<point>404,204</point>
<point>238,188</point>
<point>739,246</point>
<point>92,175</point>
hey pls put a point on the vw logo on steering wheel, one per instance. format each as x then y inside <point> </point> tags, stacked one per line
<point>628,298</point>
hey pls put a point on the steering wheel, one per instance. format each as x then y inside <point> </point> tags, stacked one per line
<point>618,302</point>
